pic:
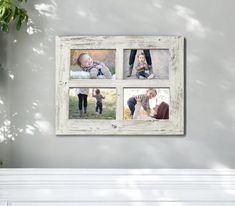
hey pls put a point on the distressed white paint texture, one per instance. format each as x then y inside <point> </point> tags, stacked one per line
<point>173,126</point>
<point>209,141</point>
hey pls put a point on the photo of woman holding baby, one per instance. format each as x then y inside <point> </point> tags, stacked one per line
<point>142,99</point>
<point>146,104</point>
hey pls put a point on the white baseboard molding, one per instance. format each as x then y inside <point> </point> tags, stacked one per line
<point>116,187</point>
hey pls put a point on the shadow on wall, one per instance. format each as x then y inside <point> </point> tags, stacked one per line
<point>6,130</point>
<point>16,41</point>
<point>31,75</point>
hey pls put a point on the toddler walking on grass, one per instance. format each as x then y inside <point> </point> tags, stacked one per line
<point>99,97</point>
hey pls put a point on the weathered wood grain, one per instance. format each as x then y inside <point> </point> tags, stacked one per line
<point>173,126</point>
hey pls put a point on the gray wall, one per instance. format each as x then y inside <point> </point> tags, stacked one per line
<point>208,27</point>
<point>4,102</point>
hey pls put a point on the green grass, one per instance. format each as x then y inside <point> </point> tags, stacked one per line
<point>109,107</point>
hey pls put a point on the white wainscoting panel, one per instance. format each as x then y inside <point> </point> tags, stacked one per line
<point>121,187</point>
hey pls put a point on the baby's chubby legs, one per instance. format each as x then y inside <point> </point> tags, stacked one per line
<point>136,113</point>
<point>105,71</point>
<point>93,73</point>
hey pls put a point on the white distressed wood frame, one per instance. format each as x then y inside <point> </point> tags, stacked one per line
<point>173,126</point>
<point>117,187</point>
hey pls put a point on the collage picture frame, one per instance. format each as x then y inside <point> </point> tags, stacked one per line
<point>120,85</point>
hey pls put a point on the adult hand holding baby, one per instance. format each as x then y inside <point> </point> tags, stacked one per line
<point>138,99</point>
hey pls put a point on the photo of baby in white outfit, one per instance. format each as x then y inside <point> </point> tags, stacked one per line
<point>92,64</point>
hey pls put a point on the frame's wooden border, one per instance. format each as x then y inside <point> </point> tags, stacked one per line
<point>173,126</point>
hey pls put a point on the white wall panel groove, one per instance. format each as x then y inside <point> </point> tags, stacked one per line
<point>121,187</point>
